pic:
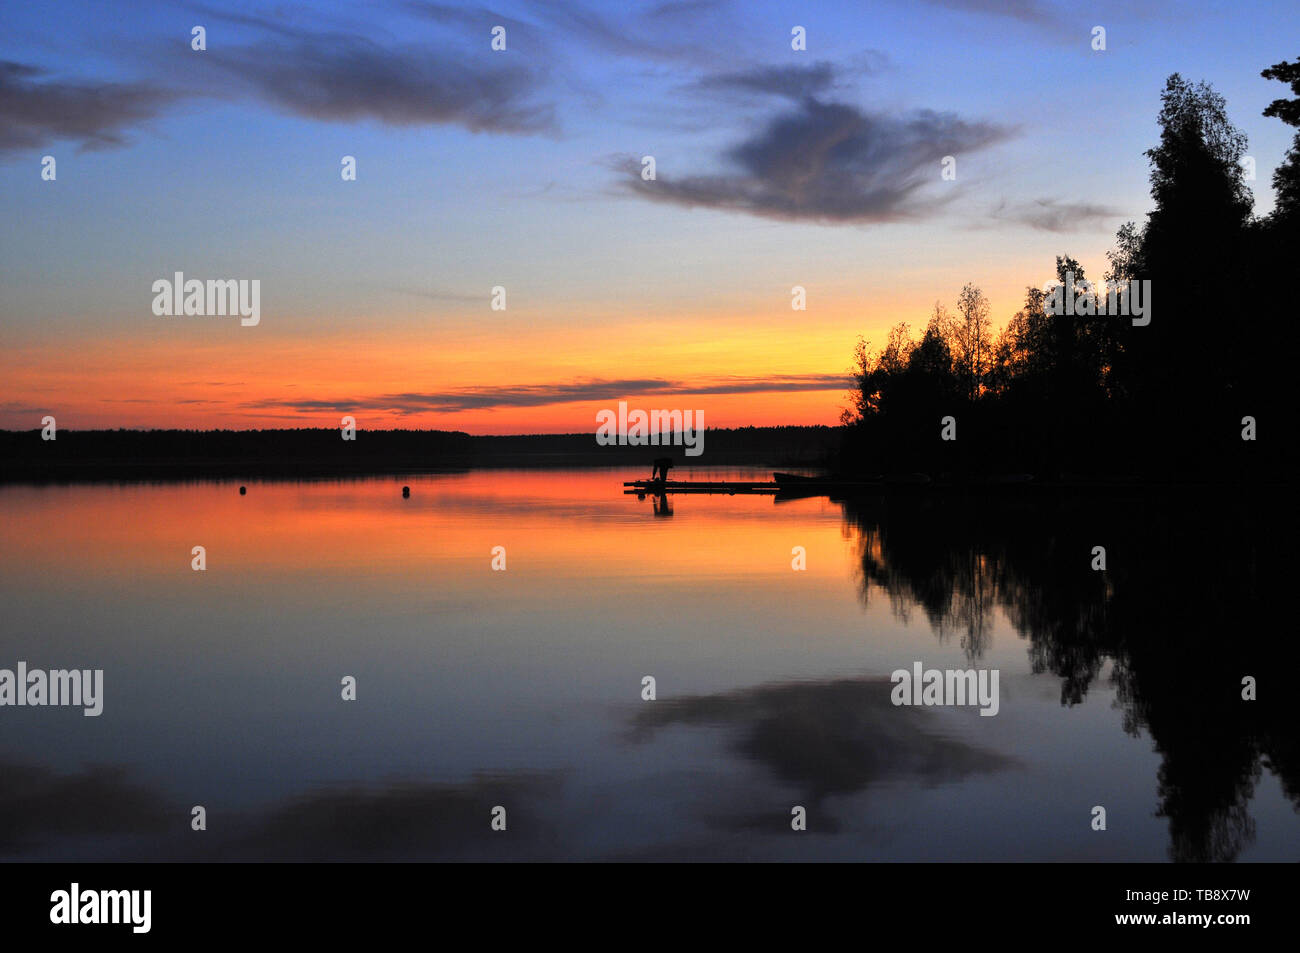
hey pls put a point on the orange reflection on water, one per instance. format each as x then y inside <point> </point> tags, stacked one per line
<point>552,524</point>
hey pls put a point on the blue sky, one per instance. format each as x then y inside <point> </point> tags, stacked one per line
<point>478,168</point>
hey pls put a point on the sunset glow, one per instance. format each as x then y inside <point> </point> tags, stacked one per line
<point>376,290</point>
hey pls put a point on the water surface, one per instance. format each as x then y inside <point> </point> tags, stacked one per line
<point>522,688</point>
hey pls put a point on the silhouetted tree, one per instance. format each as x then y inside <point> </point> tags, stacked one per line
<point>972,340</point>
<point>1090,392</point>
<point>1286,177</point>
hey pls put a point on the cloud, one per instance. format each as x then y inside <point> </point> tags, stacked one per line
<point>795,82</point>
<point>1050,215</point>
<point>540,395</point>
<point>831,163</point>
<point>331,77</point>
<point>653,34</point>
<point>1026,11</point>
<point>35,110</point>
<point>338,78</point>
<point>791,81</point>
<point>281,22</point>
<point>674,32</point>
<point>463,15</point>
<point>672,9</point>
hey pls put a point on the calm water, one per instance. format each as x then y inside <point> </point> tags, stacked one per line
<point>522,688</point>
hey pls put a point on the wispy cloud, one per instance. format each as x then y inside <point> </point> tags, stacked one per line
<point>1051,215</point>
<point>36,109</point>
<point>665,32</point>
<point>461,14</point>
<point>795,82</point>
<point>336,78</point>
<point>792,81</point>
<point>540,395</point>
<point>331,77</point>
<point>1026,11</point>
<point>828,162</point>
<point>657,34</point>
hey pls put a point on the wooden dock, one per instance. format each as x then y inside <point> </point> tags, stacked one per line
<point>789,486</point>
<point>657,487</point>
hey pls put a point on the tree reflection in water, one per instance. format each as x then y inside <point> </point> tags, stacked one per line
<point>1197,595</point>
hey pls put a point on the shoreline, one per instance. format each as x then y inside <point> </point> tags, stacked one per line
<point>97,455</point>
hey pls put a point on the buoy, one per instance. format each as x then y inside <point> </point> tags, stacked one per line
<point>406,491</point>
<point>243,490</point>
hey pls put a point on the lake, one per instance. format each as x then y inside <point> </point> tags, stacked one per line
<point>522,688</point>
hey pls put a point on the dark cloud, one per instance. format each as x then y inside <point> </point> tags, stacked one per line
<point>332,77</point>
<point>36,110</point>
<point>539,395</point>
<point>829,162</point>
<point>793,81</point>
<point>1050,215</point>
<point>337,78</point>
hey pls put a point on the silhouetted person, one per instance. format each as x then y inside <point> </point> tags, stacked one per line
<point>661,468</point>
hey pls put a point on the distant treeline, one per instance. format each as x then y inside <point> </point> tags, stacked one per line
<point>1179,397</point>
<point>111,454</point>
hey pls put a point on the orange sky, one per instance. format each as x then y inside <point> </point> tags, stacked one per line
<point>205,373</point>
<point>379,171</point>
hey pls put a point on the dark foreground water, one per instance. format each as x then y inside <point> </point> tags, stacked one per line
<point>522,689</point>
